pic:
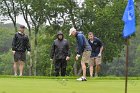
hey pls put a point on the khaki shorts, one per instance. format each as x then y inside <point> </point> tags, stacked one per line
<point>86,57</point>
<point>95,61</point>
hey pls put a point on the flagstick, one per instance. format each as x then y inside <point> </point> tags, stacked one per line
<point>126,67</point>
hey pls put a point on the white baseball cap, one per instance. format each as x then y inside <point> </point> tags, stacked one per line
<point>71,30</point>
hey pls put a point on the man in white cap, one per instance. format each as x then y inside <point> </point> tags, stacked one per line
<point>83,50</point>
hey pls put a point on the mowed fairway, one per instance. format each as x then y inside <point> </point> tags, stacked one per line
<point>29,85</point>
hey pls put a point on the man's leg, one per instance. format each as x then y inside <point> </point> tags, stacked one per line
<point>97,68</point>
<point>84,69</point>
<point>91,63</point>
<point>57,67</point>
<point>85,59</point>
<point>83,62</point>
<point>15,65</point>
<point>63,67</point>
<point>15,68</point>
<point>83,78</point>
<point>91,70</point>
<point>21,67</point>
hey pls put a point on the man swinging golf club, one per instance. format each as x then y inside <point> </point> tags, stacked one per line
<point>83,50</point>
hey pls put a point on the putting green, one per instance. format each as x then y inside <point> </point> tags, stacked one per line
<point>29,85</point>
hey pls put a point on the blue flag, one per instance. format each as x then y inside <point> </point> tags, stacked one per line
<point>129,19</point>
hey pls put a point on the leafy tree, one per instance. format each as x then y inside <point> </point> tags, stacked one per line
<point>9,8</point>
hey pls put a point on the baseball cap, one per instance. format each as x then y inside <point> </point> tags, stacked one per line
<point>71,30</point>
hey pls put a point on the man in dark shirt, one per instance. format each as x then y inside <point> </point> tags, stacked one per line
<point>97,48</point>
<point>60,53</point>
<point>19,46</point>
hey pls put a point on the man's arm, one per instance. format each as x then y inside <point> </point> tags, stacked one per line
<point>28,46</point>
<point>68,49</point>
<point>14,43</point>
<point>101,48</point>
<point>52,50</point>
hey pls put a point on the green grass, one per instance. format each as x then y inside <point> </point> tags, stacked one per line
<point>69,85</point>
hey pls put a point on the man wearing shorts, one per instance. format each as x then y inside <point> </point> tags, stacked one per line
<point>19,46</point>
<point>83,49</point>
<point>97,48</point>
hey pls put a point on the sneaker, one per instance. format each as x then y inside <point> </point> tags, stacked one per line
<point>82,79</point>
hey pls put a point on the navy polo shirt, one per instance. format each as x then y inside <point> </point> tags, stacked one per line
<point>95,45</point>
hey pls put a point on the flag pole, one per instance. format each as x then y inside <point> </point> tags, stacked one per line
<point>129,29</point>
<point>126,64</point>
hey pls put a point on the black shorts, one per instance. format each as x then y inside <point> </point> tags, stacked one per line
<point>19,56</point>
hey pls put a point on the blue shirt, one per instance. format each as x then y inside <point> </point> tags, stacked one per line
<point>82,43</point>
